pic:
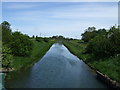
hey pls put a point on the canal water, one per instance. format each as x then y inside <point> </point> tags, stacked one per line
<point>57,69</point>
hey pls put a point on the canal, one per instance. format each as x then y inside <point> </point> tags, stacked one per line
<point>57,69</point>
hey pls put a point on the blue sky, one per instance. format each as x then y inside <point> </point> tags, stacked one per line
<point>69,19</point>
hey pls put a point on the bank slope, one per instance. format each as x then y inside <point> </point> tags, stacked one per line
<point>39,50</point>
<point>108,66</point>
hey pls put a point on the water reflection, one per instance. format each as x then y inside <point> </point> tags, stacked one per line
<point>57,69</point>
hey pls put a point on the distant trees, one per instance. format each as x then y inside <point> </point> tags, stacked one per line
<point>60,37</point>
<point>33,36</point>
<point>46,39</point>
<point>38,39</point>
<point>102,43</point>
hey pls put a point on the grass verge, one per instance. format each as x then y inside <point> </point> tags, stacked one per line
<point>39,50</point>
<point>108,66</point>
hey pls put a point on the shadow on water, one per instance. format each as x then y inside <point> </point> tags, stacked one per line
<point>57,69</point>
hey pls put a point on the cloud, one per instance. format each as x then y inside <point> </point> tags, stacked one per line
<point>68,12</point>
<point>69,19</point>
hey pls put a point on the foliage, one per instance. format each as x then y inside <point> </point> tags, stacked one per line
<point>109,66</point>
<point>39,39</point>
<point>6,32</point>
<point>114,35</point>
<point>33,36</point>
<point>39,49</point>
<point>21,45</point>
<point>0,53</point>
<point>102,50</point>
<point>19,50</point>
<point>46,40</point>
<point>100,46</point>
<point>89,34</point>
<point>7,57</point>
<point>0,32</point>
<point>105,43</point>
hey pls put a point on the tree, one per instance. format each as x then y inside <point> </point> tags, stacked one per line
<point>33,36</point>
<point>21,45</point>
<point>0,32</point>
<point>102,31</point>
<point>46,39</point>
<point>114,36</point>
<point>6,32</point>
<point>39,39</point>
<point>89,34</point>
<point>91,29</point>
<point>100,46</point>
<point>7,57</point>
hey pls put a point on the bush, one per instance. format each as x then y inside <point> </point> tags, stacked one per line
<point>100,46</point>
<point>46,40</point>
<point>21,44</point>
<point>114,35</point>
<point>38,39</point>
<point>7,57</point>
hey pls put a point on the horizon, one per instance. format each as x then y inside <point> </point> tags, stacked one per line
<point>69,19</point>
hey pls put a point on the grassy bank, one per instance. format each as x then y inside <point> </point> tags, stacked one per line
<point>39,50</point>
<point>108,66</point>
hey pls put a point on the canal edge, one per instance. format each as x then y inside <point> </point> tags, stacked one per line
<point>103,77</point>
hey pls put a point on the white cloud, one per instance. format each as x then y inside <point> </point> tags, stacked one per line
<point>73,12</point>
<point>70,20</point>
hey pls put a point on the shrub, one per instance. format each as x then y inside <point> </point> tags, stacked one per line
<point>7,57</point>
<point>46,40</point>
<point>38,39</point>
<point>100,46</point>
<point>21,44</point>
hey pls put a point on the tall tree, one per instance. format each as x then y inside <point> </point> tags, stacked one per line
<point>89,34</point>
<point>6,32</point>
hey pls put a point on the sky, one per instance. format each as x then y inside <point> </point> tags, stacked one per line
<point>69,19</point>
<point>59,0</point>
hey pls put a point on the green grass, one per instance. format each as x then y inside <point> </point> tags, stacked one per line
<point>39,50</point>
<point>108,66</point>
<point>76,48</point>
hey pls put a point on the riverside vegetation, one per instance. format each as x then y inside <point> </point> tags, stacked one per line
<point>20,51</point>
<point>99,48</point>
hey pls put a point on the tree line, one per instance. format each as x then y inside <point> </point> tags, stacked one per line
<point>102,43</point>
<point>16,44</point>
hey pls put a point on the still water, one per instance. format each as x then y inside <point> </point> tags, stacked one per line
<point>57,69</point>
